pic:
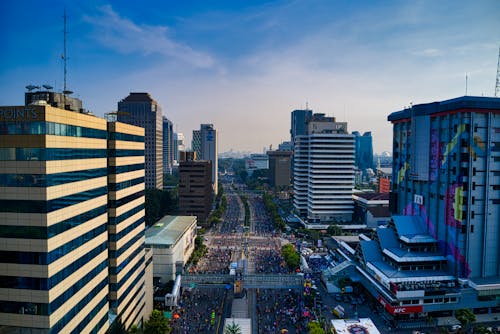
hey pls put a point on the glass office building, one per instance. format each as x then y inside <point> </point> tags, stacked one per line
<point>72,221</point>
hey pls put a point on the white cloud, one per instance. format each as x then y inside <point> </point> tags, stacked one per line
<point>125,36</point>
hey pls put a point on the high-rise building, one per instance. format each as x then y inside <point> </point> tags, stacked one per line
<point>178,145</point>
<point>195,189</point>
<point>126,225</point>
<point>279,168</point>
<point>168,145</point>
<point>363,150</point>
<point>324,172</point>
<point>440,251</point>
<point>196,143</point>
<point>204,143</point>
<point>142,110</point>
<point>446,163</point>
<point>299,123</point>
<point>58,224</point>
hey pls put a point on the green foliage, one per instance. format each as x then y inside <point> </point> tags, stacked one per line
<point>117,327</point>
<point>247,210</point>
<point>482,330</point>
<point>315,328</point>
<point>291,256</point>
<point>232,329</point>
<point>159,203</point>
<point>258,179</point>
<point>157,324</point>
<point>272,210</point>
<point>334,230</point>
<point>134,330</point>
<point>199,250</point>
<point>465,316</point>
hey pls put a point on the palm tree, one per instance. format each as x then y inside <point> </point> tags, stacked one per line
<point>232,328</point>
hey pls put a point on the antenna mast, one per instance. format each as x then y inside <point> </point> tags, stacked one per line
<point>64,57</point>
<point>497,85</point>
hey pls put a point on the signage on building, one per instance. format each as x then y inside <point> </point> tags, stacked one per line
<point>418,199</point>
<point>400,309</point>
<point>16,114</point>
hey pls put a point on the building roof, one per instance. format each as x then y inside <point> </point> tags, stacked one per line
<point>374,196</point>
<point>379,211</point>
<point>168,230</point>
<point>139,97</point>
<point>361,325</point>
<point>411,229</point>
<point>464,102</point>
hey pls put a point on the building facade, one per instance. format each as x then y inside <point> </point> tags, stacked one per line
<point>60,194</point>
<point>196,143</point>
<point>324,172</point>
<point>256,162</point>
<point>126,223</point>
<point>172,240</point>
<point>204,143</point>
<point>299,121</point>
<point>168,146</point>
<point>54,262</point>
<point>142,110</point>
<point>364,150</point>
<point>195,189</point>
<point>280,168</point>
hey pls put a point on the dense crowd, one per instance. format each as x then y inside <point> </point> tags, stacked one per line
<point>216,261</point>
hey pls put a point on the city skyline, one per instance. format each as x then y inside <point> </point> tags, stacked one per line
<point>245,67</point>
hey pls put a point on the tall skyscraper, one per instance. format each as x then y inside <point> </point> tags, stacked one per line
<point>126,225</point>
<point>142,110</point>
<point>363,150</point>
<point>196,143</point>
<point>204,143</point>
<point>61,213</point>
<point>447,171</point>
<point>53,209</point>
<point>168,145</point>
<point>324,172</point>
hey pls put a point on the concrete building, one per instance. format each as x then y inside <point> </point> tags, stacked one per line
<point>371,209</point>
<point>142,110</point>
<point>324,172</point>
<point>280,165</point>
<point>172,242</point>
<point>57,221</point>
<point>209,151</point>
<point>126,223</point>
<point>299,121</point>
<point>441,250</point>
<point>195,189</point>
<point>168,146</point>
<point>178,146</point>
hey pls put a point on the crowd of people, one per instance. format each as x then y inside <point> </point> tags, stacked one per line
<point>198,311</point>
<point>216,261</point>
<point>268,261</point>
<point>278,310</point>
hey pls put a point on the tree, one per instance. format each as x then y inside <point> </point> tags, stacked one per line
<point>134,330</point>
<point>291,256</point>
<point>315,328</point>
<point>465,316</point>
<point>232,328</point>
<point>334,230</point>
<point>157,324</point>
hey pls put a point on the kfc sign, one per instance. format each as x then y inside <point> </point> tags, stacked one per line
<point>399,309</point>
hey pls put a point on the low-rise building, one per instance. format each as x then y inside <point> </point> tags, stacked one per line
<point>371,209</point>
<point>172,240</point>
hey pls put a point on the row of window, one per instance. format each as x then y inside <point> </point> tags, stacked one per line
<point>35,283</point>
<point>125,247</point>
<point>50,128</point>
<point>125,184</point>
<point>124,169</point>
<point>79,329</point>
<point>43,258</point>
<point>116,286</point>
<point>125,215</point>
<point>134,284</point>
<point>119,268</point>
<point>48,154</point>
<point>125,137</point>
<point>33,206</point>
<point>119,202</point>
<point>115,237</point>
<point>48,180</point>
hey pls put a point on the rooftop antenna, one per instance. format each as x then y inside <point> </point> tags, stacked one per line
<point>65,58</point>
<point>307,105</point>
<point>497,85</point>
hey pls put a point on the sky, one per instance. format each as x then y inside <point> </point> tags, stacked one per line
<point>245,65</point>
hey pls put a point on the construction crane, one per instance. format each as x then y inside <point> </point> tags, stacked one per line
<point>497,85</point>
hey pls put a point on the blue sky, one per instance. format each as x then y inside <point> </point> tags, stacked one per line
<point>245,65</point>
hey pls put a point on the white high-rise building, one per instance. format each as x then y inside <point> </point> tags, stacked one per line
<point>324,172</point>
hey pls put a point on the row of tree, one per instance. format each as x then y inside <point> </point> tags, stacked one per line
<point>291,256</point>
<point>244,199</point>
<point>272,210</point>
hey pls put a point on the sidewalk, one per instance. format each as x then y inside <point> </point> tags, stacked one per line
<point>446,321</point>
